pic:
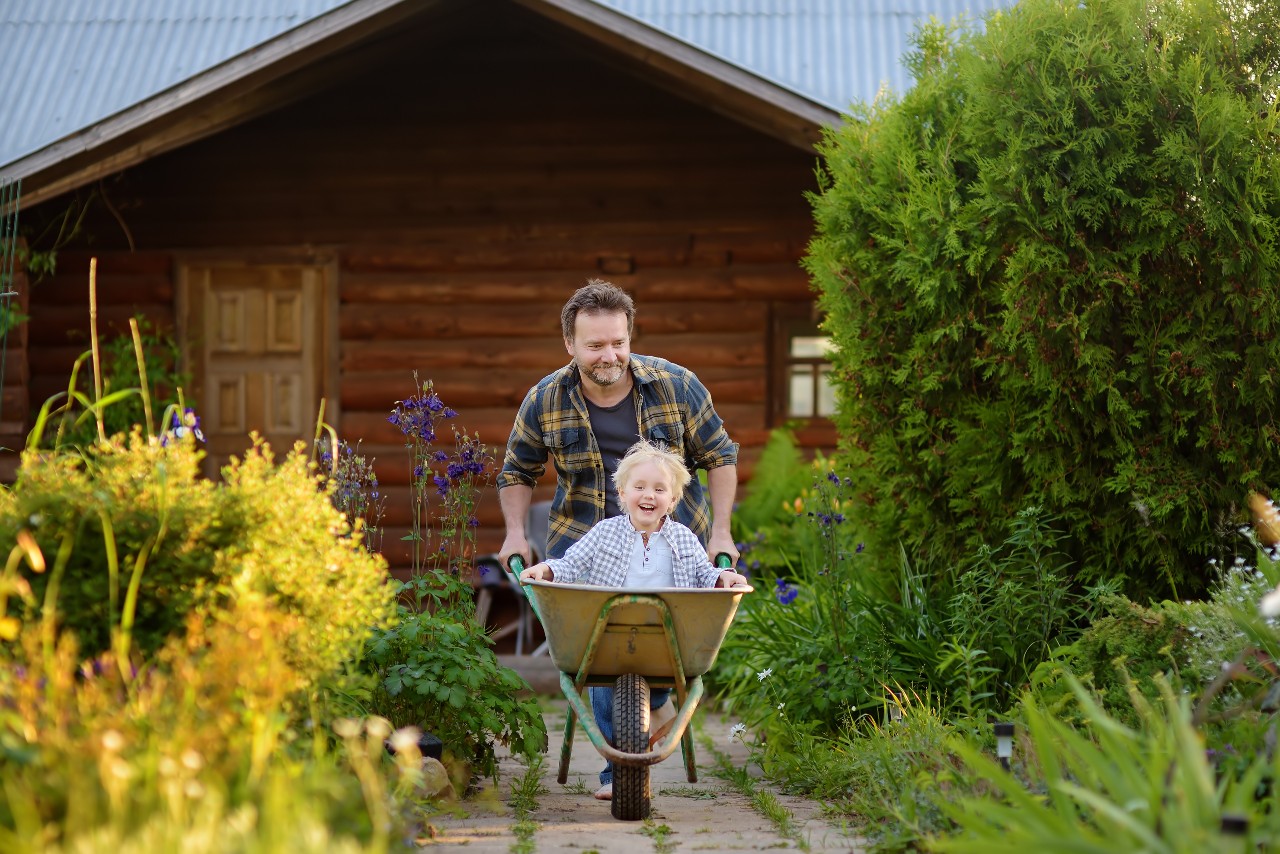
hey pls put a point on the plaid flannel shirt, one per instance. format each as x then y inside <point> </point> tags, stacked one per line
<point>673,408</point>
<point>603,556</point>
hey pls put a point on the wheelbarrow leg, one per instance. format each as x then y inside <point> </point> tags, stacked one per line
<point>686,742</point>
<point>566,748</point>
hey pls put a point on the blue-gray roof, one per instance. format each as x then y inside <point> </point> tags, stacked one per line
<point>69,64</point>
<point>835,52</point>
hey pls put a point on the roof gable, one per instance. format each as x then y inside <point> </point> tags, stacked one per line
<point>97,86</point>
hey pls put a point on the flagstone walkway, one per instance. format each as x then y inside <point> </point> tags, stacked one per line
<point>709,815</point>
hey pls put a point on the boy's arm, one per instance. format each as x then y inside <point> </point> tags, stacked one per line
<point>576,562</point>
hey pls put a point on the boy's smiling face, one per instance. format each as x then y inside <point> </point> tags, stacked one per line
<point>647,496</point>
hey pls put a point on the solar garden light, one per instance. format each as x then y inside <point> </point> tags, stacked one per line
<point>1004,743</point>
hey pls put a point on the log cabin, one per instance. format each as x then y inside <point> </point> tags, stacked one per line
<point>374,188</point>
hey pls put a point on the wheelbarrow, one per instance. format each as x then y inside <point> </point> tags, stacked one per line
<point>632,639</point>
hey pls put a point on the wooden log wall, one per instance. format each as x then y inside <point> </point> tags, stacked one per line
<point>463,189</point>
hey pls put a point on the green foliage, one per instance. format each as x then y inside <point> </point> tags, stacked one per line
<point>434,666</point>
<point>162,360</point>
<point>437,670</point>
<point>887,777</point>
<point>1108,787</point>
<point>207,752</point>
<point>968,633</point>
<point>1013,605</point>
<point>317,573</point>
<point>137,541</point>
<point>780,476</point>
<point>1130,645</point>
<point>124,509</point>
<point>822,625</point>
<point>1050,269</point>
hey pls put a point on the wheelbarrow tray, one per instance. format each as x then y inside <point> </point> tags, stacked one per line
<point>634,641</point>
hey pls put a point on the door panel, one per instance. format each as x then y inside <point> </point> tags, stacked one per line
<point>255,336</point>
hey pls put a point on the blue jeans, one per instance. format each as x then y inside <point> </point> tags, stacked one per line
<point>602,707</point>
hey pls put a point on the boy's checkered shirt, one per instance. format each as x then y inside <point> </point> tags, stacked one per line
<point>603,556</point>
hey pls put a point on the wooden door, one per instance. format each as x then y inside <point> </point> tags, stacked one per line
<point>255,337</point>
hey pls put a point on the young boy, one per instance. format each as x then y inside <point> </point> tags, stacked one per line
<point>644,547</point>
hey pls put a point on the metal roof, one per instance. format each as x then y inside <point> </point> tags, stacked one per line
<point>68,64</point>
<point>835,52</point>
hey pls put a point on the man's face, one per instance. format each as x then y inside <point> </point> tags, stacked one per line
<point>600,347</point>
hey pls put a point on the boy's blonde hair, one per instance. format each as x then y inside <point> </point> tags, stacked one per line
<point>649,452</point>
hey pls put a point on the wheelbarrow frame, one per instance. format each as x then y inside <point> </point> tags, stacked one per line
<point>681,670</point>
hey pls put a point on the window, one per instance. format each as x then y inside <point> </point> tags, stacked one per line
<point>801,387</point>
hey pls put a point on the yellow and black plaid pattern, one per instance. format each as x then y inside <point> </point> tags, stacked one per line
<point>672,407</point>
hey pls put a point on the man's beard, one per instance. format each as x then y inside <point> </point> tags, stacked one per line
<point>605,375</point>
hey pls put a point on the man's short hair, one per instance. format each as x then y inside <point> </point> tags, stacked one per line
<point>651,452</point>
<point>597,297</point>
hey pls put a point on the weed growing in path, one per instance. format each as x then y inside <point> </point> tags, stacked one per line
<point>661,836</point>
<point>525,791</point>
<point>762,800</point>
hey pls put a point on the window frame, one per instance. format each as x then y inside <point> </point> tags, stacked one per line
<point>789,321</point>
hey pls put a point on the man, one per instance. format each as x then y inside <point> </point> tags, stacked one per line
<point>586,415</point>
<point>583,418</point>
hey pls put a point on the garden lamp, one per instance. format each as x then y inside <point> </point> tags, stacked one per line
<point>1004,743</point>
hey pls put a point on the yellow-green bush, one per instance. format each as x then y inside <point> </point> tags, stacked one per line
<point>136,541</point>
<point>164,644</point>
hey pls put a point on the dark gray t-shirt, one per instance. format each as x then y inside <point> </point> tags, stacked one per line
<point>616,429</point>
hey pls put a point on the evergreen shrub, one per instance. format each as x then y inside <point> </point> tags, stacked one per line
<point>1050,269</point>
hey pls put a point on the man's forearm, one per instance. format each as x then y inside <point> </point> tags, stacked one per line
<point>514,501</point>
<point>722,487</point>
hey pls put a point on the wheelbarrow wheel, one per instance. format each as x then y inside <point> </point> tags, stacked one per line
<point>631,735</point>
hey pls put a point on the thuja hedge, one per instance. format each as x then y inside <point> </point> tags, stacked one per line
<point>1051,270</point>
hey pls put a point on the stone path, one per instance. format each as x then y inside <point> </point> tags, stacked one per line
<point>709,815</point>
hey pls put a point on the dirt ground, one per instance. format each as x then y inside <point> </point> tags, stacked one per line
<point>709,815</point>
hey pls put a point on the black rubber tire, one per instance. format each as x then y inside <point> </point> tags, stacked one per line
<point>631,797</point>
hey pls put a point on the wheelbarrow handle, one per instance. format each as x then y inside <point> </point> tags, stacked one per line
<point>723,561</point>
<point>516,564</point>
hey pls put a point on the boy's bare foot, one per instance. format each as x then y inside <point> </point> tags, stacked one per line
<point>605,792</point>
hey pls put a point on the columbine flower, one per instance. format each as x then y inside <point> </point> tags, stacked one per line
<point>736,731</point>
<point>764,674</point>
<point>786,593</point>
<point>183,423</point>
